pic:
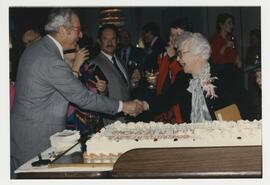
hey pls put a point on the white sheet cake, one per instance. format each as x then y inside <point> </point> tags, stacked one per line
<point>117,138</point>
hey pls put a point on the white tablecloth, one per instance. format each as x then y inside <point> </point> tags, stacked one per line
<point>27,167</point>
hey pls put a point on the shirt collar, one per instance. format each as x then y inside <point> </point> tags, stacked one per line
<point>57,44</point>
<point>153,41</point>
<point>107,55</point>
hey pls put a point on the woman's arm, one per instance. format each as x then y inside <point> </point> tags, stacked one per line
<point>177,93</point>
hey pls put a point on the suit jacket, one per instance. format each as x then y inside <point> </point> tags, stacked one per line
<point>152,53</point>
<point>117,87</point>
<point>45,85</point>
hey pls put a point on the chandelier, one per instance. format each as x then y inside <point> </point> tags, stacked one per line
<point>111,16</point>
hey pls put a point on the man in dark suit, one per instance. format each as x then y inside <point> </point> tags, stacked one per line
<point>133,59</point>
<point>154,45</point>
<point>46,84</point>
<point>128,52</point>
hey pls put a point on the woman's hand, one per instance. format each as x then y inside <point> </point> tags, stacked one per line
<point>170,51</point>
<point>100,85</point>
<point>238,62</point>
<point>81,56</point>
<point>229,44</point>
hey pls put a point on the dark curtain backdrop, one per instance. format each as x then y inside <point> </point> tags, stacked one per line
<point>203,20</point>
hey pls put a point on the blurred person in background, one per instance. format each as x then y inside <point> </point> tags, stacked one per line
<point>252,66</point>
<point>30,36</point>
<point>133,60</point>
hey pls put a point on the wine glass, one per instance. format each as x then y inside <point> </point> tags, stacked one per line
<point>133,67</point>
<point>151,78</point>
<point>233,39</point>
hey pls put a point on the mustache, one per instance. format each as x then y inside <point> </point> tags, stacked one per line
<point>109,46</point>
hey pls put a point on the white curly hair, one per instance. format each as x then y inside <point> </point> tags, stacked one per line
<point>195,43</point>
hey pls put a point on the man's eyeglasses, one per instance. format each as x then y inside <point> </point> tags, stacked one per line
<point>77,29</point>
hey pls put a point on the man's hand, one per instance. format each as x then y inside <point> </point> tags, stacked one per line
<point>133,108</point>
<point>136,76</point>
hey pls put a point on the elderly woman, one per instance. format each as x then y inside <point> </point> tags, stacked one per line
<point>199,96</point>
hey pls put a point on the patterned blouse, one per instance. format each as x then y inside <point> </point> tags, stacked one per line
<point>87,122</point>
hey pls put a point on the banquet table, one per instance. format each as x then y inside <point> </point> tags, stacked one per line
<point>27,171</point>
<point>189,162</point>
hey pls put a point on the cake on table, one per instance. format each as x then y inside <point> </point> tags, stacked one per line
<point>115,139</point>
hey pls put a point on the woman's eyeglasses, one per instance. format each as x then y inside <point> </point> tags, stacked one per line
<point>180,53</point>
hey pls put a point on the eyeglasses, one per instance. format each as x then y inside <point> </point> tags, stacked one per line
<point>180,53</point>
<point>69,51</point>
<point>77,29</point>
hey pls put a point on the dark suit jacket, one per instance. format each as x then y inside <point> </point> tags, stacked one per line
<point>152,54</point>
<point>136,55</point>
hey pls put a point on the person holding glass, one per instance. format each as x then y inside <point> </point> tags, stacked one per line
<point>223,44</point>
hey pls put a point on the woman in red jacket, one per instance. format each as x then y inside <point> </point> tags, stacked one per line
<point>168,70</point>
<point>223,43</point>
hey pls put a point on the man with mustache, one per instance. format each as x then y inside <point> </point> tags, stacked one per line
<point>112,68</point>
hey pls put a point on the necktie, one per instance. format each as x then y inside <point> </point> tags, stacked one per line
<point>124,57</point>
<point>118,69</point>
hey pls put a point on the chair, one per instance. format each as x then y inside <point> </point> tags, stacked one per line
<point>228,113</point>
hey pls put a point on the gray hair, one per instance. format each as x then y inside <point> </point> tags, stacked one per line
<point>195,43</point>
<point>57,18</point>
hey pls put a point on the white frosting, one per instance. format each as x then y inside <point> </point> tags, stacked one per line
<point>62,141</point>
<point>120,137</point>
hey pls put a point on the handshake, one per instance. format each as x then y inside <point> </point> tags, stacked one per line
<point>135,107</point>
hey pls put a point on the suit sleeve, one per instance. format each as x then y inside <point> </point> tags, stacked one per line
<point>177,93</point>
<point>60,76</point>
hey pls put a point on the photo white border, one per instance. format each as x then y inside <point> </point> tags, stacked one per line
<point>4,81</point>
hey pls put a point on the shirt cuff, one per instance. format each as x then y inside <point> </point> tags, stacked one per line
<point>120,108</point>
